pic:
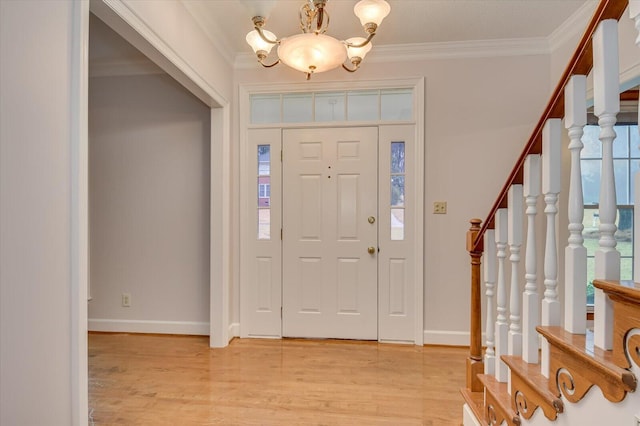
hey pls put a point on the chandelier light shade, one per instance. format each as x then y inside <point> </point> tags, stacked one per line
<point>258,44</point>
<point>314,51</point>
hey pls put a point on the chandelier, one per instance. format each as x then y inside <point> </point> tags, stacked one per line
<point>314,51</point>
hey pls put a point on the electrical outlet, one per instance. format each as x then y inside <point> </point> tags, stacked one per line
<point>440,207</point>
<point>126,300</point>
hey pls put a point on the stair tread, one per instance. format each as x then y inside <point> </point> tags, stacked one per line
<point>534,386</point>
<point>624,289</point>
<point>581,347</point>
<point>531,374</point>
<point>475,400</point>
<point>499,392</point>
<point>576,365</point>
<point>625,296</point>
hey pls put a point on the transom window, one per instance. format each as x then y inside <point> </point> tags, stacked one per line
<point>327,107</point>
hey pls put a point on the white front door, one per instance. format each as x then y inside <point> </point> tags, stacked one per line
<point>330,233</point>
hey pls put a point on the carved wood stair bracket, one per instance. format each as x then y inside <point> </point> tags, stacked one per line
<point>497,402</point>
<point>625,296</point>
<point>530,390</point>
<point>574,369</point>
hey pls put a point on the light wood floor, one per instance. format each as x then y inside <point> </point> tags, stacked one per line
<point>179,380</point>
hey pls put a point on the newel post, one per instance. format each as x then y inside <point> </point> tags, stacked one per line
<point>475,365</point>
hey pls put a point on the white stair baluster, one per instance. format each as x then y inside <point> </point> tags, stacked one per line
<point>636,220</point>
<point>634,13</point>
<point>551,163</point>
<point>606,107</point>
<point>502,328</point>
<point>489,264</point>
<point>515,221</point>
<point>575,296</point>
<point>530,299</point>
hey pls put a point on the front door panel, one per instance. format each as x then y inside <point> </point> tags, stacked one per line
<point>330,187</point>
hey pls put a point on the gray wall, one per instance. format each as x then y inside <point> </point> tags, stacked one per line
<point>149,205</point>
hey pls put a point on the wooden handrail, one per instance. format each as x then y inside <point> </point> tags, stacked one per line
<point>580,64</point>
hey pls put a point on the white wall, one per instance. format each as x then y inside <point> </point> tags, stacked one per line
<point>40,375</point>
<point>35,210</point>
<point>629,52</point>
<point>479,114</point>
<point>149,205</point>
<point>172,38</point>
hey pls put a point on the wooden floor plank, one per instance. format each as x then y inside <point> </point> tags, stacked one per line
<point>179,380</point>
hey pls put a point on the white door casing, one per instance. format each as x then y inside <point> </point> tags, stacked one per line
<point>330,286</point>
<point>401,274</point>
<point>399,309</point>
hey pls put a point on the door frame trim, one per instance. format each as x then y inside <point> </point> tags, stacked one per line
<point>124,21</point>
<point>418,86</point>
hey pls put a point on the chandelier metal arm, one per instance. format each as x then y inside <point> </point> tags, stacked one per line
<point>304,15</point>
<point>314,18</point>
<point>258,28</point>
<point>349,69</point>
<point>320,18</point>
<point>262,55</point>
<point>356,61</point>
<point>363,44</point>
<point>270,65</point>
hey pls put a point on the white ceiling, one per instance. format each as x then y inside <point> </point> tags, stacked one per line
<point>410,21</point>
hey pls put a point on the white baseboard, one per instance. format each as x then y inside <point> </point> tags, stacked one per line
<point>447,337</point>
<point>234,330</point>
<point>156,327</point>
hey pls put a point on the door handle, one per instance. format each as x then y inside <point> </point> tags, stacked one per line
<point>372,220</point>
<point>371,250</point>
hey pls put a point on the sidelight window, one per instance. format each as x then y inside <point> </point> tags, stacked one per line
<point>264,192</point>
<point>397,190</point>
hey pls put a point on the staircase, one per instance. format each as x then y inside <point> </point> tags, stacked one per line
<point>544,362</point>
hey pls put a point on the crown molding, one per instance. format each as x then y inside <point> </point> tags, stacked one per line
<point>573,26</point>
<point>217,37</point>
<point>459,49</point>
<point>570,28</point>
<point>442,50</point>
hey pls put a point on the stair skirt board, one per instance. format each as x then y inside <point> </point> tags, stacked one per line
<point>593,409</point>
<point>468,419</point>
<point>156,327</point>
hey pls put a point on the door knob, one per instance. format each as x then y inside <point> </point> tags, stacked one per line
<point>372,220</point>
<point>371,250</point>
